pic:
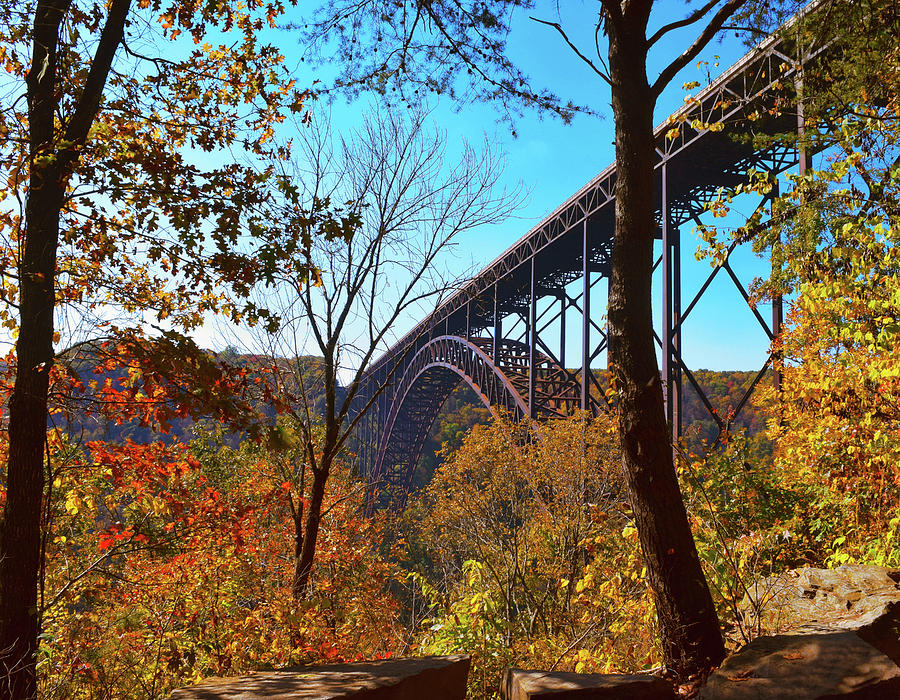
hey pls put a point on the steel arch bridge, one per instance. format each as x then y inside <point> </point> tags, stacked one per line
<point>505,332</point>
<point>439,366</point>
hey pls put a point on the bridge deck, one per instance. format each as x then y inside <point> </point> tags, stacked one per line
<point>465,337</point>
<point>698,162</point>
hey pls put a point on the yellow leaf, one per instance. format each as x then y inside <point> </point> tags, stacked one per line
<point>73,503</point>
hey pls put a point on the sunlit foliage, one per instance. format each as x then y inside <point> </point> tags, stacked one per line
<point>164,569</point>
<point>529,553</point>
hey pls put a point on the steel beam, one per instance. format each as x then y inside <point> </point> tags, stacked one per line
<point>498,325</point>
<point>585,322</point>
<point>563,307</point>
<point>677,386</point>
<point>694,167</point>
<point>777,309</point>
<point>531,335</point>
<point>667,297</point>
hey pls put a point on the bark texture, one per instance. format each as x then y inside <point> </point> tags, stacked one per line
<point>20,529</point>
<point>691,638</point>
<point>49,170</point>
<point>306,552</point>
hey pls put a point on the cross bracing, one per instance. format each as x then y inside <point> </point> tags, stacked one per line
<point>504,332</point>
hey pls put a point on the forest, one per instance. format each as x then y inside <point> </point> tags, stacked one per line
<point>172,512</point>
<point>463,410</point>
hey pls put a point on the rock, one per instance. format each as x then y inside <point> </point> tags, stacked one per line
<point>524,685</point>
<point>808,600</point>
<point>881,629</point>
<point>433,677</point>
<point>839,637</point>
<point>837,664</point>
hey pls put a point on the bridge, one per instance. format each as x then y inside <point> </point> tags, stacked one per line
<point>505,332</point>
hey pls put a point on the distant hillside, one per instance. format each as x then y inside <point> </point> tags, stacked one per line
<point>724,391</point>
<point>94,370</point>
<point>459,414</point>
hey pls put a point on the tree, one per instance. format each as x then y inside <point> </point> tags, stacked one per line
<point>692,641</point>
<point>406,202</point>
<point>836,231</point>
<point>427,46</point>
<point>106,214</point>
<point>524,546</point>
<point>188,558</point>
<point>832,235</point>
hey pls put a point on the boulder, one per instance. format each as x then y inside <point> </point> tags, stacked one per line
<point>830,633</point>
<point>525,685</point>
<point>433,677</point>
<point>808,600</point>
<point>831,665</point>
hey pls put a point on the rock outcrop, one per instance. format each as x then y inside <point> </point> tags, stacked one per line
<point>828,633</point>
<point>806,667</point>
<point>808,600</point>
<point>433,677</point>
<point>529,685</point>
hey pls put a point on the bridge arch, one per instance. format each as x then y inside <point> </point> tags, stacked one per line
<point>427,380</point>
<point>524,297</point>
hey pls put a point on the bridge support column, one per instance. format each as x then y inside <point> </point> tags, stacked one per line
<point>532,340</point>
<point>563,305</point>
<point>368,434</point>
<point>668,375</point>
<point>803,164</point>
<point>498,328</point>
<point>802,152</point>
<point>777,301</point>
<point>677,385</point>
<point>585,323</point>
<point>671,332</point>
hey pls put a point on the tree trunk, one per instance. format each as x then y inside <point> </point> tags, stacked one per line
<point>303,564</point>
<point>689,627</point>
<point>20,528</point>
<point>49,170</point>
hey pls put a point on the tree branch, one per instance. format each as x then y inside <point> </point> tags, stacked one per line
<point>574,48</point>
<point>695,16</point>
<point>715,24</point>
<point>86,110</point>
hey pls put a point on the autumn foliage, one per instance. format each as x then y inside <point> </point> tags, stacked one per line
<point>163,567</point>
<point>529,554</point>
<point>174,556</point>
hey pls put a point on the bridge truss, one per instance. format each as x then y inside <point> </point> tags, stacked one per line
<point>504,333</point>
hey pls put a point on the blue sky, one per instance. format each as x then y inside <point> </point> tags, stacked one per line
<point>553,160</point>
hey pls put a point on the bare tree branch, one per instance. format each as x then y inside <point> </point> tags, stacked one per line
<point>574,48</point>
<point>408,201</point>
<point>711,29</point>
<point>695,16</point>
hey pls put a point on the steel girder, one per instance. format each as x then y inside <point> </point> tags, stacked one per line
<point>499,380</point>
<point>494,333</point>
<point>701,163</point>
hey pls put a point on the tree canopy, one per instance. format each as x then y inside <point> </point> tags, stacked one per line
<point>147,184</point>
